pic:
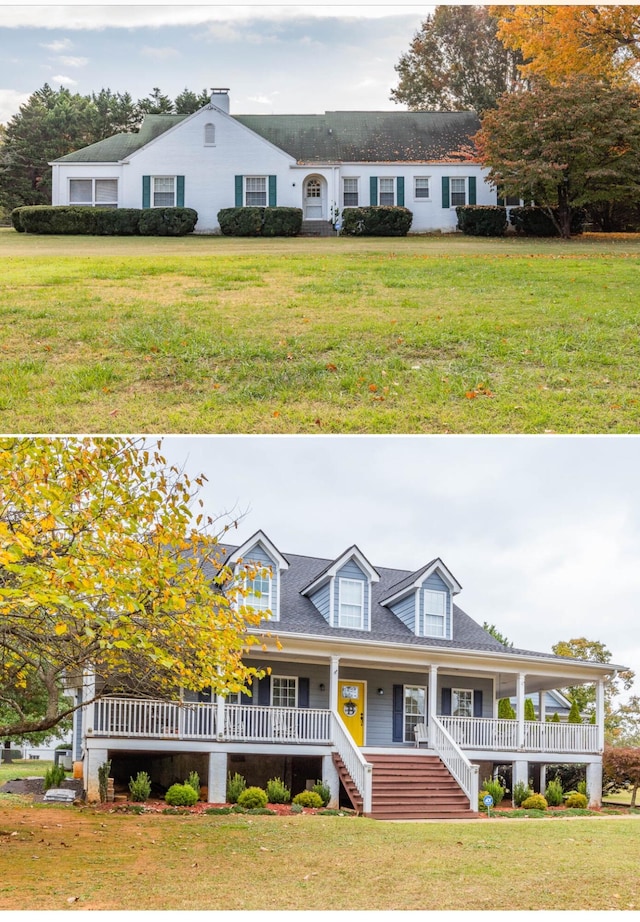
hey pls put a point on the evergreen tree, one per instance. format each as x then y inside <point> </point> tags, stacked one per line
<point>505,710</point>
<point>574,714</point>
<point>187,101</point>
<point>529,710</point>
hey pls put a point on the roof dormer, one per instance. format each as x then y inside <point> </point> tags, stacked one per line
<point>424,601</point>
<point>342,591</point>
<point>260,564</point>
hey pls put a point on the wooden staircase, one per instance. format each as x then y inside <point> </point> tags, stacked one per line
<point>409,787</point>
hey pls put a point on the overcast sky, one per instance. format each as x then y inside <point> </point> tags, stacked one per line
<point>543,533</point>
<point>288,58</point>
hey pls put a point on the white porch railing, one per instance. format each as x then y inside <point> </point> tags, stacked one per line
<point>359,769</point>
<point>455,760</point>
<point>254,723</point>
<point>499,734</point>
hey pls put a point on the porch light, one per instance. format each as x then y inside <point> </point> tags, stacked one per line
<point>381,691</point>
<point>321,686</point>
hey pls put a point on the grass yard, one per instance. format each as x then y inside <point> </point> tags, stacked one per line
<point>57,858</point>
<point>24,768</point>
<point>430,334</point>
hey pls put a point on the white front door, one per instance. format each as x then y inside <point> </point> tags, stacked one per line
<point>313,199</point>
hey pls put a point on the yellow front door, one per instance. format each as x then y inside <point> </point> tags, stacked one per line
<point>351,708</point>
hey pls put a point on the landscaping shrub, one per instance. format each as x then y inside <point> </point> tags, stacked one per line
<point>261,811</point>
<point>574,714</point>
<point>554,793</point>
<point>308,799</point>
<point>76,219</point>
<point>376,221</point>
<point>16,220</point>
<point>277,793</point>
<point>534,221</point>
<point>194,781</point>
<point>54,777</point>
<point>581,787</point>
<point>235,787</point>
<point>167,222</point>
<point>576,800</point>
<point>492,786</point>
<point>181,795</point>
<point>322,788</point>
<point>281,222</point>
<point>521,791</point>
<point>535,802</point>
<point>140,787</point>
<point>103,779</point>
<point>296,808</point>
<point>529,710</point>
<point>252,798</point>
<point>505,710</point>
<point>260,222</point>
<point>482,220</point>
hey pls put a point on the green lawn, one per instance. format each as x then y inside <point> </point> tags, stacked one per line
<point>428,334</point>
<point>24,768</point>
<point>66,857</point>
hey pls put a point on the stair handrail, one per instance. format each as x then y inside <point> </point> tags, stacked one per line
<point>455,761</point>
<point>359,769</point>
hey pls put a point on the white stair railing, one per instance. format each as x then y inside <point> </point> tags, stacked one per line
<point>455,760</point>
<point>359,769</point>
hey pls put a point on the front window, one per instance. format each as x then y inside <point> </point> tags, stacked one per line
<point>350,192</point>
<point>414,710</point>
<point>351,603</point>
<point>284,691</point>
<point>421,188</point>
<point>258,592</point>
<point>164,191</point>
<point>435,612</point>
<point>387,190</point>
<point>461,702</point>
<point>255,191</point>
<point>458,191</point>
<point>97,193</point>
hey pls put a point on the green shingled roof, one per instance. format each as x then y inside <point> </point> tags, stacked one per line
<point>376,137</point>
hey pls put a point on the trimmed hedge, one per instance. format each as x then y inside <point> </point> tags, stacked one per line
<point>260,222</point>
<point>75,219</point>
<point>534,221</point>
<point>376,221</point>
<point>482,220</point>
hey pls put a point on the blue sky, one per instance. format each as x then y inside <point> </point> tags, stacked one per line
<point>281,59</point>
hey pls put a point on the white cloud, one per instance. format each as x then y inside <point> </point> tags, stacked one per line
<point>73,62</point>
<point>263,100</point>
<point>159,54</point>
<point>64,80</point>
<point>64,44</point>
<point>10,102</point>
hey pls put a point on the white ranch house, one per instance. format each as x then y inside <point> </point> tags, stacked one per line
<point>320,163</point>
<point>383,687</point>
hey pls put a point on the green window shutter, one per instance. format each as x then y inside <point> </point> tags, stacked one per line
<point>272,191</point>
<point>239,185</point>
<point>472,190</point>
<point>146,192</point>
<point>180,191</point>
<point>400,190</point>
<point>373,190</point>
<point>500,200</point>
<point>446,200</point>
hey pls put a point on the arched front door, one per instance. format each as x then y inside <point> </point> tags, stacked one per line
<point>315,198</point>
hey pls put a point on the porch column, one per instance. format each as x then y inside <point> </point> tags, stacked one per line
<point>542,707</point>
<point>543,778</point>
<point>520,772</point>
<point>94,759</point>
<point>520,709</point>
<point>220,703</point>
<point>334,672</point>
<point>433,691</point>
<point>330,777</point>
<point>600,713</point>
<point>594,783</point>
<point>88,694</point>
<point>217,780</point>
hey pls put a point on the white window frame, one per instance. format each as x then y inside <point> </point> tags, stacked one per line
<point>291,682</point>
<point>263,602</point>
<point>429,612</point>
<point>154,191</point>
<point>246,180</point>
<point>408,729</point>
<point>343,582</point>
<point>464,192</point>
<point>456,693</point>
<point>93,180</point>
<point>386,180</point>
<point>421,198</point>
<point>356,181</point>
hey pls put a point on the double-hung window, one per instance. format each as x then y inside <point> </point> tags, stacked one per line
<point>350,191</point>
<point>164,192</point>
<point>387,190</point>
<point>351,603</point>
<point>97,193</point>
<point>421,190</point>
<point>458,191</point>
<point>461,702</point>
<point>435,613</point>
<point>284,691</point>
<point>255,191</point>
<point>414,710</point>
<point>258,592</point>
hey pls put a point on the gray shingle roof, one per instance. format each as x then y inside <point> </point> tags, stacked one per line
<point>120,146</point>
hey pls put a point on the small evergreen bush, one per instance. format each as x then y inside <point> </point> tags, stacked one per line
<point>308,799</point>
<point>521,791</point>
<point>323,789</point>
<point>529,710</point>
<point>581,787</point>
<point>235,787</point>
<point>194,781</point>
<point>218,810</point>
<point>376,221</point>
<point>140,787</point>
<point>281,222</point>
<point>277,793</point>
<point>54,777</point>
<point>576,800</point>
<point>554,793</point>
<point>482,220</point>
<point>181,795</point>
<point>253,797</point>
<point>534,802</point>
<point>492,786</point>
<point>296,808</point>
<point>505,710</point>
<point>574,714</point>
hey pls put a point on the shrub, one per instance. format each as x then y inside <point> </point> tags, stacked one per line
<point>296,808</point>
<point>308,799</point>
<point>181,795</point>
<point>167,222</point>
<point>16,220</point>
<point>240,222</point>
<point>194,782</point>
<point>218,810</point>
<point>261,811</point>
<point>54,777</point>
<point>277,793</point>
<point>376,221</point>
<point>505,710</point>
<point>576,800</point>
<point>482,220</point>
<point>140,786</point>
<point>574,714</point>
<point>534,221</point>
<point>529,710</point>
<point>492,786</point>
<point>75,219</point>
<point>322,788</point>
<point>582,787</point>
<point>554,793</point>
<point>235,787</point>
<point>281,222</point>
<point>534,802</point>
<point>521,791</point>
<point>252,798</point>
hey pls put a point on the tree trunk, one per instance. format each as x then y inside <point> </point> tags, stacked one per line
<point>6,752</point>
<point>564,212</point>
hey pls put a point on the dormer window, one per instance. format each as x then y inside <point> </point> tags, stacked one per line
<point>351,603</point>
<point>435,613</point>
<point>258,592</point>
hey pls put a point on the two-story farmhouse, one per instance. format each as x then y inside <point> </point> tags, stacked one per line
<point>320,163</point>
<point>380,685</point>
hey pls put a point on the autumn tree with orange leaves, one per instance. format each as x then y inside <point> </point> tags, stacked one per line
<point>107,569</point>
